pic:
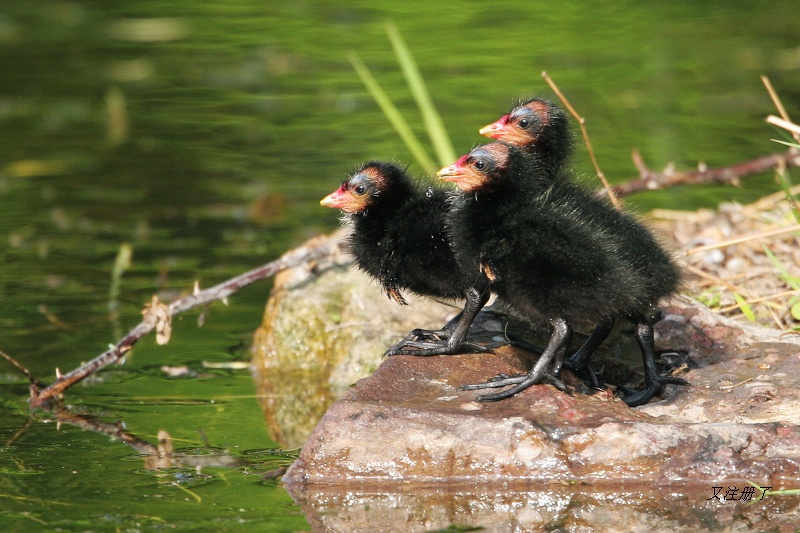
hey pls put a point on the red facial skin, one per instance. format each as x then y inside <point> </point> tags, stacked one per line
<point>353,196</point>
<point>467,173</point>
<point>462,174</point>
<point>509,128</point>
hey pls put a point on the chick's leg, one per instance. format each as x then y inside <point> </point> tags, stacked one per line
<point>652,380</point>
<point>556,347</point>
<point>454,340</point>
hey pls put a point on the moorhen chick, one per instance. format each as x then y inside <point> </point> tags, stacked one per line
<point>398,237</point>
<point>555,254</point>
<point>538,126</point>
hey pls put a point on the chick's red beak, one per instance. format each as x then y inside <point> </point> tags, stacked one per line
<point>452,173</point>
<point>462,175</point>
<point>335,200</point>
<point>495,130</point>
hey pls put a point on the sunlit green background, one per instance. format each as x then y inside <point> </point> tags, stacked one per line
<point>205,133</point>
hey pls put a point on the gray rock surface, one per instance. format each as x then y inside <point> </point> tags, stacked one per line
<point>430,431</point>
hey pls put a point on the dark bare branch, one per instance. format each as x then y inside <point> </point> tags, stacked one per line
<point>650,180</point>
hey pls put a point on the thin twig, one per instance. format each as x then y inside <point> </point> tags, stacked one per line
<point>19,432</point>
<point>740,240</point>
<point>669,177</point>
<point>775,318</point>
<point>791,127</point>
<point>717,280</point>
<point>650,180</point>
<point>778,105</point>
<point>768,202</point>
<point>726,387</point>
<point>40,398</point>
<point>34,382</point>
<point>759,300</point>
<point>582,122</point>
<point>790,197</point>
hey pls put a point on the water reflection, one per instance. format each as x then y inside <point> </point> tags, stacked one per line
<point>537,507</point>
<point>158,456</point>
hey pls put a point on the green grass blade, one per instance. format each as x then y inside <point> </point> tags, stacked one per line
<point>787,143</point>
<point>790,280</point>
<point>121,264</point>
<point>393,114</point>
<point>786,184</point>
<point>744,307</point>
<point>433,122</point>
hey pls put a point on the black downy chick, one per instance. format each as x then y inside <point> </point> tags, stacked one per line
<point>538,126</point>
<point>398,237</point>
<point>555,254</point>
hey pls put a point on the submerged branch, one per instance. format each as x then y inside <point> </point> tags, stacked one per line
<point>317,250</point>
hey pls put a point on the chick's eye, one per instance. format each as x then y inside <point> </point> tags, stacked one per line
<point>360,189</point>
<point>479,164</point>
<point>524,123</point>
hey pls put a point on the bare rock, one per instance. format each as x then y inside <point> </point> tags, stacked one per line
<point>422,454</point>
<point>430,431</point>
<point>746,375</point>
<point>325,326</point>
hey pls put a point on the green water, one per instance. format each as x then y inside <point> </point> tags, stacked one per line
<point>205,133</point>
